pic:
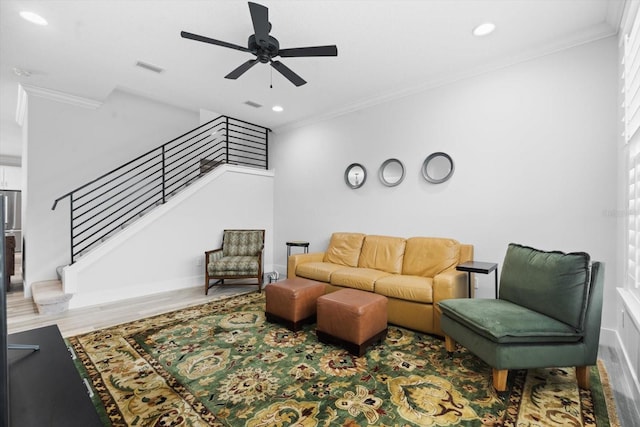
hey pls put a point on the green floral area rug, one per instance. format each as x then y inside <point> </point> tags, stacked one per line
<point>223,364</point>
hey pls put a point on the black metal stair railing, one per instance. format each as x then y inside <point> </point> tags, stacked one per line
<point>107,204</point>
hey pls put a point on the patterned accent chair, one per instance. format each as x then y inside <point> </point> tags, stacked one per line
<point>240,257</point>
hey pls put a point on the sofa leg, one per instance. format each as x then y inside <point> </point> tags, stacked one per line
<point>582,375</point>
<point>449,344</point>
<point>500,379</point>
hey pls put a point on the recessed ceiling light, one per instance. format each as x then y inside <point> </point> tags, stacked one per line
<point>484,29</point>
<point>34,18</point>
<point>277,108</point>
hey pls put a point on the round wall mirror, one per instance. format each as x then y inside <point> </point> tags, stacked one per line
<point>391,172</point>
<point>355,175</point>
<point>437,168</point>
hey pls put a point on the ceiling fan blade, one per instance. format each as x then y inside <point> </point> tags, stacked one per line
<point>286,71</point>
<point>204,39</point>
<point>241,69</point>
<point>260,18</point>
<point>331,50</point>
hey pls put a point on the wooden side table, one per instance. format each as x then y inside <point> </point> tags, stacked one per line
<point>478,267</point>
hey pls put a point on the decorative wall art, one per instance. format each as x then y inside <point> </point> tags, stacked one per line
<point>391,172</point>
<point>355,175</point>
<point>437,168</point>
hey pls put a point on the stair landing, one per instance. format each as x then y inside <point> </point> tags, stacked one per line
<point>50,297</point>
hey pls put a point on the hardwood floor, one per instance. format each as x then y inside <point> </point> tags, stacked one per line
<point>22,315</point>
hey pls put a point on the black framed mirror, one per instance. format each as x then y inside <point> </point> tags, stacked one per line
<point>355,175</point>
<point>438,168</point>
<point>391,172</point>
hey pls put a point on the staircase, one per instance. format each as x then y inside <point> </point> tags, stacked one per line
<point>106,205</point>
<point>49,295</point>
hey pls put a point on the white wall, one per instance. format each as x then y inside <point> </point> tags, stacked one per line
<point>534,146</point>
<point>65,146</point>
<point>11,137</point>
<point>165,249</point>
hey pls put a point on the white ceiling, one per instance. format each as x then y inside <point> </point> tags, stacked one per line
<point>386,49</point>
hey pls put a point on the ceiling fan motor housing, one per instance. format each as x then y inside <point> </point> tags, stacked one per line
<point>264,49</point>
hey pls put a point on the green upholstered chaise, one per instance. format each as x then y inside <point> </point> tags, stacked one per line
<point>547,315</point>
<point>240,257</point>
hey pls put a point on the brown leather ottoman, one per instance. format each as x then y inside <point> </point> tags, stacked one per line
<point>292,301</point>
<point>353,319</point>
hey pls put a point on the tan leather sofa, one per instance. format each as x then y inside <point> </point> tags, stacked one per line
<point>414,273</point>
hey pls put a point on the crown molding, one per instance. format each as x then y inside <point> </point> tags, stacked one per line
<point>615,9</point>
<point>24,91</point>
<point>589,35</point>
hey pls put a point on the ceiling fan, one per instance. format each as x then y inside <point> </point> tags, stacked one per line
<point>266,47</point>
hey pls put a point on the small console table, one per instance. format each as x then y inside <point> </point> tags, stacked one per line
<point>299,244</point>
<point>478,267</point>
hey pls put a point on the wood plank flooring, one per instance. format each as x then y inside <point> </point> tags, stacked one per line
<point>22,315</point>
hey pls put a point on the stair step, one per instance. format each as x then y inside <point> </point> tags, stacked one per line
<point>59,271</point>
<point>49,297</point>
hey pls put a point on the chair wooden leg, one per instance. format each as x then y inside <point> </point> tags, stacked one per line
<point>500,379</point>
<point>449,344</point>
<point>206,276</point>
<point>582,375</point>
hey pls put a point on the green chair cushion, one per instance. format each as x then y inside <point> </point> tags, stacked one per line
<point>554,283</point>
<point>504,322</point>
<point>234,266</point>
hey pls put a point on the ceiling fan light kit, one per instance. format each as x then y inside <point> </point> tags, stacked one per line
<point>265,47</point>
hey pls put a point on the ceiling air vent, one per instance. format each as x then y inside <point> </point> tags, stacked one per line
<point>149,67</point>
<point>253,104</point>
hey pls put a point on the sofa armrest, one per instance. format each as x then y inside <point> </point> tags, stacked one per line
<point>295,260</point>
<point>447,285</point>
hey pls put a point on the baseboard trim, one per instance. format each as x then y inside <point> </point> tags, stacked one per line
<point>91,298</point>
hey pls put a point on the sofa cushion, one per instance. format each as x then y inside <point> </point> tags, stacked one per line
<point>554,283</point>
<point>429,256</point>
<point>344,249</point>
<point>320,271</point>
<point>382,253</point>
<point>357,278</point>
<point>410,288</point>
<point>505,322</point>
